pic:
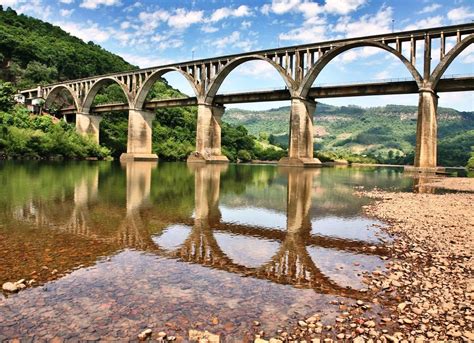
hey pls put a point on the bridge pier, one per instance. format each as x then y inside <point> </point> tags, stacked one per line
<point>426,133</point>
<point>88,125</point>
<point>208,135</point>
<point>300,151</point>
<point>139,136</point>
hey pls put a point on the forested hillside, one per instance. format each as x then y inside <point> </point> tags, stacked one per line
<point>383,134</point>
<point>34,52</point>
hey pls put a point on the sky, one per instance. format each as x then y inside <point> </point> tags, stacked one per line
<point>152,33</point>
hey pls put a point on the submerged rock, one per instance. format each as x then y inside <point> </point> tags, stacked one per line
<point>10,287</point>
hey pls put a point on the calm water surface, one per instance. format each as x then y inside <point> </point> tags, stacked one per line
<point>115,249</point>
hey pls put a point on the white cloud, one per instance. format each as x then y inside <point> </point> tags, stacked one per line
<point>426,23</point>
<point>260,69</point>
<point>342,6</point>
<point>357,53</point>
<point>309,34</point>
<point>245,25</point>
<point>151,20</point>
<point>67,2</point>
<point>88,31</point>
<point>93,4</point>
<point>30,7</point>
<point>131,8</point>
<point>233,40</point>
<point>284,6</point>
<point>384,74</point>
<point>124,25</point>
<point>182,18</point>
<point>366,25</point>
<point>11,3</point>
<point>145,61</point>
<point>310,8</point>
<point>209,29</point>
<point>66,13</point>
<point>430,8</point>
<point>460,15</point>
<point>226,12</point>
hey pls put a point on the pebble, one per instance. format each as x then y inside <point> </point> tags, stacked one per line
<point>144,334</point>
<point>10,287</point>
<point>369,324</point>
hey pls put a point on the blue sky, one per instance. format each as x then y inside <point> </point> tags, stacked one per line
<point>149,33</point>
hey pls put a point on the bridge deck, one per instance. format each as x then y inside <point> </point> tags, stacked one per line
<point>366,89</point>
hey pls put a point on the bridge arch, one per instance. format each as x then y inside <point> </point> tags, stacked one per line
<point>56,90</point>
<point>90,95</point>
<point>325,59</point>
<point>150,81</point>
<point>448,59</point>
<point>221,76</point>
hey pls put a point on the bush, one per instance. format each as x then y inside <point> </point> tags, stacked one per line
<point>470,163</point>
<point>22,135</point>
<point>244,156</point>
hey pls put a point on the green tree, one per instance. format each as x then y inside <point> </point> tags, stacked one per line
<point>6,96</point>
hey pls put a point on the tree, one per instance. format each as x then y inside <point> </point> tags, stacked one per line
<point>6,96</point>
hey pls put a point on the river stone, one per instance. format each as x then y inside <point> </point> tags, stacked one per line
<point>144,334</point>
<point>10,287</point>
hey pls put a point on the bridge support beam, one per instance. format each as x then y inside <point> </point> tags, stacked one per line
<point>88,125</point>
<point>300,151</point>
<point>208,135</point>
<point>139,136</point>
<point>426,133</point>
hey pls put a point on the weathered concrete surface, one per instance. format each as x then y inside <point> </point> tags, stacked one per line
<point>208,135</point>
<point>139,136</point>
<point>300,151</point>
<point>426,131</point>
<point>88,125</point>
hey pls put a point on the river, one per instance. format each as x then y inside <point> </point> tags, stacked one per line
<point>115,249</point>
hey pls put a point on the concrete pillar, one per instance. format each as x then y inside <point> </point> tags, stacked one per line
<point>300,150</point>
<point>88,125</point>
<point>426,132</point>
<point>139,136</point>
<point>208,135</point>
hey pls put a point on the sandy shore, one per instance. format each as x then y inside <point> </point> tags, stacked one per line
<point>429,283</point>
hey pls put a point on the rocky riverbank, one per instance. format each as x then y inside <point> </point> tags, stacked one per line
<point>428,286</point>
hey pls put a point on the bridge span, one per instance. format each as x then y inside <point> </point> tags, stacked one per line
<point>299,67</point>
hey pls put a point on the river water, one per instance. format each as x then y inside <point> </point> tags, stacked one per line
<point>115,249</point>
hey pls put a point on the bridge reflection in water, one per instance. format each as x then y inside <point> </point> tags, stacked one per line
<point>291,264</point>
<point>141,227</point>
<point>179,243</point>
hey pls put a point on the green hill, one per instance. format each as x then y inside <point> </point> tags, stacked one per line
<point>387,134</point>
<point>33,51</point>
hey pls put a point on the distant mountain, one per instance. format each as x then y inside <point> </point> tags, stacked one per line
<point>387,133</point>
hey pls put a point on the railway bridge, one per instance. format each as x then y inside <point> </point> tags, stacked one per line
<point>299,67</point>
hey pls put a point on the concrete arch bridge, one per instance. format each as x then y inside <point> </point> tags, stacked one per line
<point>298,66</point>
